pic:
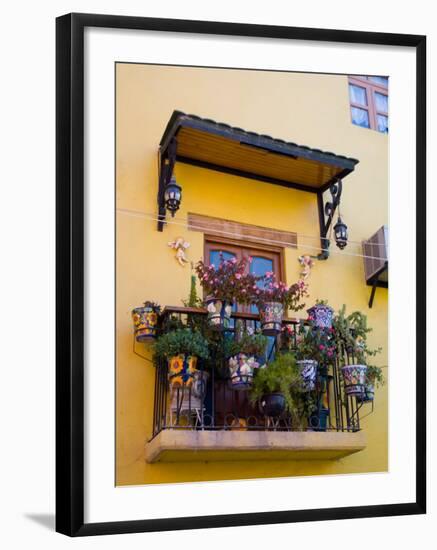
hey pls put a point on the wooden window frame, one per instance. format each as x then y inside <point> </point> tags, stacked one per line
<point>275,253</point>
<point>371,88</point>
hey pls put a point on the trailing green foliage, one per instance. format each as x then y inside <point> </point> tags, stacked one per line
<point>351,332</point>
<point>181,341</point>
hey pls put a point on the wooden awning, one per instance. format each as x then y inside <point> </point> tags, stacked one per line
<point>218,146</point>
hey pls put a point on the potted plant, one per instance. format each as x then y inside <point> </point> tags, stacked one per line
<point>272,297</point>
<point>145,319</point>
<point>273,386</point>
<point>374,377</point>
<point>246,354</point>
<point>224,285</point>
<point>181,348</point>
<point>351,336</point>
<point>321,314</point>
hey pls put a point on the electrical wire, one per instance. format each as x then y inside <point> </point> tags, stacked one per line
<point>186,225</point>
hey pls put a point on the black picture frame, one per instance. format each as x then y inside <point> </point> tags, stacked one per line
<point>70,273</point>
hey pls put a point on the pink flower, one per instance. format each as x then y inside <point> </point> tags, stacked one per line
<point>321,347</point>
<point>237,275</point>
<point>234,260</point>
<point>250,259</point>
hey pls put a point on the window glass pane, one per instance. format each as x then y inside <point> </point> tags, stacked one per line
<point>382,123</point>
<point>214,256</point>
<point>360,117</point>
<point>357,94</point>
<point>259,267</point>
<point>380,80</point>
<point>381,102</point>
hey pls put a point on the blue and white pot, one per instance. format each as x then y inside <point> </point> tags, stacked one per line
<point>322,315</point>
<point>308,373</point>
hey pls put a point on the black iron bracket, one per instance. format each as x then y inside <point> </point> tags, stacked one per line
<point>326,216</point>
<point>166,162</point>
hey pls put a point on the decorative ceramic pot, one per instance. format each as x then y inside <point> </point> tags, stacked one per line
<point>322,315</point>
<point>181,370</point>
<point>271,314</point>
<point>273,404</point>
<point>241,370</point>
<point>145,321</point>
<point>354,377</point>
<point>368,395</point>
<point>308,373</point>
<point>219,313</point>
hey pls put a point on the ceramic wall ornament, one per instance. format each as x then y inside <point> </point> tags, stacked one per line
<point>307,264</point>
<point>180,245</point>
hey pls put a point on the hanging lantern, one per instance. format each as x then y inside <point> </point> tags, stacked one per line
<point>173,196</point>
<point>340,231</point>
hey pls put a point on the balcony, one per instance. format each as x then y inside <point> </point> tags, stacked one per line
<point>212,421</point>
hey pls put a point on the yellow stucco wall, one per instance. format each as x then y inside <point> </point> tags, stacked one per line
<point>307,109</point>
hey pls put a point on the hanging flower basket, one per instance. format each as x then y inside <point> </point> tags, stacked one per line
<point>322,315</point>
<point>145,321</point>
<point>368,395</point>
<point>354,377</point>
<point>241,371</point>
<point>219,313</point>
<point>273,404</point>
<point>181,371</point>
<point>308,373</point>
<point>271,314</point>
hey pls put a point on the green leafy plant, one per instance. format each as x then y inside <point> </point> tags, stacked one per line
<point>282,376</point>
<point>181,342</point>
<point>375,376</point>
<point>351,332</point>
<point>193,298</point>
<point>315,343</point>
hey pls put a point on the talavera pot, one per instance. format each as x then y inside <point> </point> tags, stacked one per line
<point>219,313</point>
<point>322,315</point>
<point>354,377</point>
<point>181,370</point>
<point>145,321</point>
<point>368,395</point>
<point>271,314</point>
<point>241,370</point>
<point>308,373</point>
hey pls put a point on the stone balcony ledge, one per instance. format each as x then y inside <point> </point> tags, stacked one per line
<point>179,445</point>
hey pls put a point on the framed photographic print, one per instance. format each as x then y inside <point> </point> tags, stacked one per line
<point>240,274</point>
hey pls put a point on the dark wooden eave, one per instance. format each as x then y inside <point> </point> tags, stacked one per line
<point>218,146</point>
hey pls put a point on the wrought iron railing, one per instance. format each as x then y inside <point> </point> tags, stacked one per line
<point>210,403</point>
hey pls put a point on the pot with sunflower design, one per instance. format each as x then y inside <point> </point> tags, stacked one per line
<point>145,319</point>
<point>181,349</point>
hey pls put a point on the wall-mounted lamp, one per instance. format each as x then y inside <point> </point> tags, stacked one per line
<point>172,196</point>
<point>340,232</point>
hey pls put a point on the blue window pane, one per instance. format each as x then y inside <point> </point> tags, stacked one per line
<point>360,117</point>
<point>259,267</point>
<point>214,256</point>
<point>357,94</point>
<point>382,123</point>
<point>379,80</point>
<point>381,102</point>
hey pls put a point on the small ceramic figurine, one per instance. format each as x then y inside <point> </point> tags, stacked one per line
<point>180,245</point>
<point>307,263</point>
